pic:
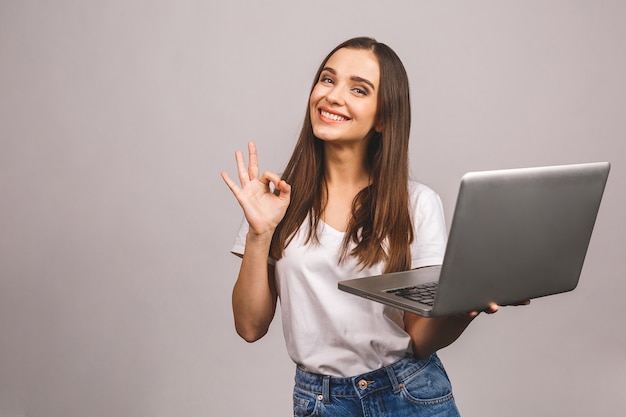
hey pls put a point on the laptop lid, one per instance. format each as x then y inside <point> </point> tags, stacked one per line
<point>516,234</point>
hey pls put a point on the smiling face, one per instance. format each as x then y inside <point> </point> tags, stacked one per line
<point>343,103</point>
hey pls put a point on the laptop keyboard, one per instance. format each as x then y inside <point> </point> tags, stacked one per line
<point>423,293</point>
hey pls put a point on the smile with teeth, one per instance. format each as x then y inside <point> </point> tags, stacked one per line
<point>332,116</point>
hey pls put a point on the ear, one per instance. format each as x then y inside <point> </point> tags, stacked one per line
<point>379,127</point>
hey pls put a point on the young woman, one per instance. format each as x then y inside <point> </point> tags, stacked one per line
<point>343,208</point>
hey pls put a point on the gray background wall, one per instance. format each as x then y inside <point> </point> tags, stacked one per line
<point>116,118</point>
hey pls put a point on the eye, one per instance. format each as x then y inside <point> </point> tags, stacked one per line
<point>360,91</point>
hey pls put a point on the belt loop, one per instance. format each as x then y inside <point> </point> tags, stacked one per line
<point>392,377</point>
<point>326,389</point>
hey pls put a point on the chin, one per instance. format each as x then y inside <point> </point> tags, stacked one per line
<point>328,138</point>
<point>325,136</point>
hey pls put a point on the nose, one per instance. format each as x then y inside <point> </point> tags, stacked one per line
<point>335,95</point>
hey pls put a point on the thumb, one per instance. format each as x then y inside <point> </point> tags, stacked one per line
<point>284,188</point>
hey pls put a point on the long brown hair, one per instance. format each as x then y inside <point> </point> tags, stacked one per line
<point>380,226</point>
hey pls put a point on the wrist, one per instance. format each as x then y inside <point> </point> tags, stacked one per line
<point>262,238</point>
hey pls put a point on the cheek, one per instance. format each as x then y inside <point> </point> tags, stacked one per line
<point>368,113</point>
<point>315,97</point>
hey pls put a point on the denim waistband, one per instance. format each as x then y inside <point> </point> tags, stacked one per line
<point>390,376</point>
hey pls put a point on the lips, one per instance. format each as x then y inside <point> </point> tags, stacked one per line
<point>333,116</point>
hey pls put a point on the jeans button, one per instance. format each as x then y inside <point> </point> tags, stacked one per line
<point>362,384</point>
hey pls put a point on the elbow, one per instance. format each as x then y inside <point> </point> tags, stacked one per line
<point>423,352</point>
<point>250,337</point>
<point>250,334</point>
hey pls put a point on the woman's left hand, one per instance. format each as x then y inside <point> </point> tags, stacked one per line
<point>493,308</point>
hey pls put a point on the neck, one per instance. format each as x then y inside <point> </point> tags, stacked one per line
<point>345,165</point>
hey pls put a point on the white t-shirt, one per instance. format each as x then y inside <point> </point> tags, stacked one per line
<point>331,332</point>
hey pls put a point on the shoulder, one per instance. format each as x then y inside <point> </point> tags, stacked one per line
<point>424,202</point>
<point>421,193</point>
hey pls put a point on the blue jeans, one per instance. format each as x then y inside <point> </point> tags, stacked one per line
<point>408,387</point>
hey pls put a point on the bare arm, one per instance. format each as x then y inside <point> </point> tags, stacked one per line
<point>428,335</point>
<point>254,293</point>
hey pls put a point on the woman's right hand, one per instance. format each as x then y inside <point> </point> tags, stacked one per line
<point>263,208</point>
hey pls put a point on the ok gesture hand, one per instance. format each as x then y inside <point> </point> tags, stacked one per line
<point>263,208</point>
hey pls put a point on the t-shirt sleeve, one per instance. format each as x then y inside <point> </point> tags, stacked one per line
<point>240,239</point>
<point>429,243</point>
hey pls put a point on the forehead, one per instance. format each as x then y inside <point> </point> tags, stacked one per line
<point>350,62</point>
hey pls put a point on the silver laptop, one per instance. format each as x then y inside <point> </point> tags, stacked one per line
<point>516,234</point>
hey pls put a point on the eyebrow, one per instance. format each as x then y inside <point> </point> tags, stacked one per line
<point>353,78</point>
